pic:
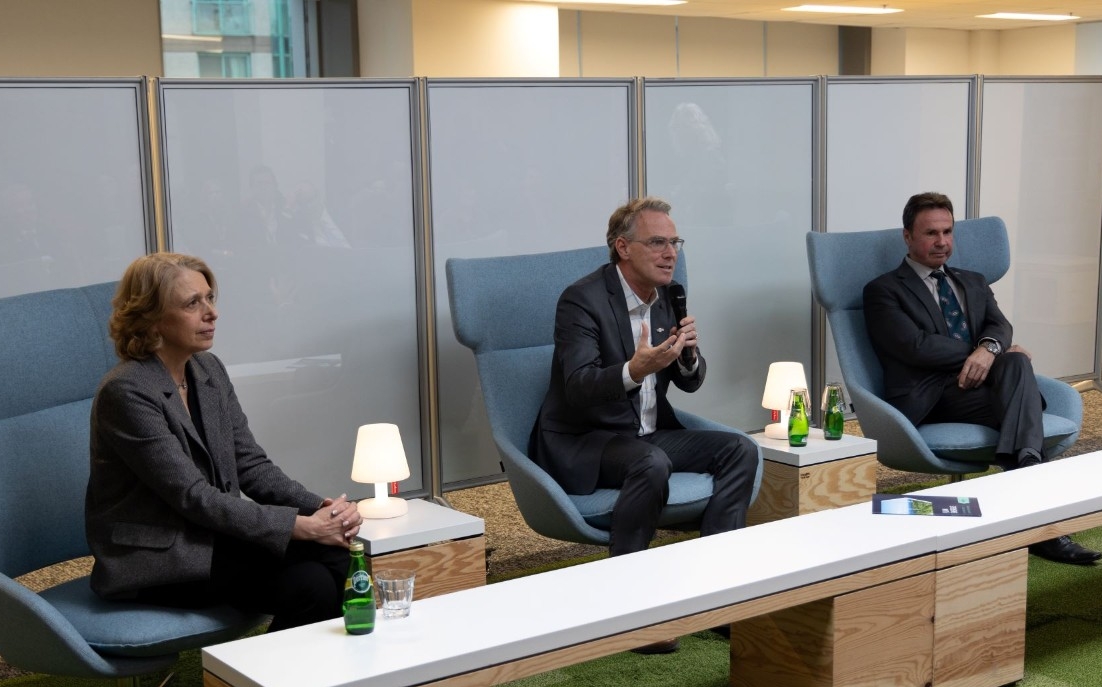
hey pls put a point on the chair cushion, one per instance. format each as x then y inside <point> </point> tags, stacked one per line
<point>689,494</point>
<point>124,628</point>
<point>973,443</point>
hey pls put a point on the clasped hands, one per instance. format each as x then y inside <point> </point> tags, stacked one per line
<point>650,359</point>
<point>335,523</point>
<point>978,364</point>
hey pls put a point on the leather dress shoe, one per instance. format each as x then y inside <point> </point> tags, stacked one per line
<point>1064,550</point>
<point>667,646</point>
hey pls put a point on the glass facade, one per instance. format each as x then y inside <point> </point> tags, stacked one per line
<point>233,38</point>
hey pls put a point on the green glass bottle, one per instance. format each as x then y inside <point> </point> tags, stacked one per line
<point>834,411</point>
<point>798,422</point>
<point>359,594</point>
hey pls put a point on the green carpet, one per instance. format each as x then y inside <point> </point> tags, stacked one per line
<point>1063,643</point>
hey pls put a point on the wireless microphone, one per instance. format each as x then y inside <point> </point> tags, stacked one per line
<point>680,312</point>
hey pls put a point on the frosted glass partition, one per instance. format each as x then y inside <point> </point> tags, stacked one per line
<point>886,141</point>
<point>74,182</point>
<point>515,167</point>
<point>737,159</point>
<point>301,196</point>
<point>1041,171</point>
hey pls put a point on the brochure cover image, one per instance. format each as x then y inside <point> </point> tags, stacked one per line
<point>921,504</point>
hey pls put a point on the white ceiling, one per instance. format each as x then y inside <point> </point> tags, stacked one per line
<point>940,14</point>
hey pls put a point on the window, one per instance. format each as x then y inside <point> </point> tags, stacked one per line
<point>222,17</point>
<point>232,65</point>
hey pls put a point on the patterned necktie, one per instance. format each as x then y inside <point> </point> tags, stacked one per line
<point>950,308</point>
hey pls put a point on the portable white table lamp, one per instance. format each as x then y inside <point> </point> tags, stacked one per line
<point>782,379</point>
<point>379,460</point>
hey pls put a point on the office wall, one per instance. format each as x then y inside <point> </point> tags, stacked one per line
<point>386,37</point>
<point>656,46</point>
<point>484,38</point>
<point>801,49</point>
<point>719,47</point>
<point>1048,50</point>
<point>77,38</point>
<point>621,44</point>
<point>1088,48</point>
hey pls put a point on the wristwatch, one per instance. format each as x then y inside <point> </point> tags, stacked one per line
<point>992,345</point>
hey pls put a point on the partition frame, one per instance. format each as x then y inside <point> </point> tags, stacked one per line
<point>632,176</point>
<point>1083,381</point>
<point>141,89</point>
<point>427,460</point>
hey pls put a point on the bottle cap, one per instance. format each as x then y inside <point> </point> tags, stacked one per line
<point>356,545</point>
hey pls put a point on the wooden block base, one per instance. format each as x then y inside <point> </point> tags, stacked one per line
<point>441,568</point>
<point>787,491</point>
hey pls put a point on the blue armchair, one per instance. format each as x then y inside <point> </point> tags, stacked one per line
<point>55,351</point>
<point>841,264</point>
<point>503,309</point>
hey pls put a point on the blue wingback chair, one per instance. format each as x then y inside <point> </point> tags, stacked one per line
<point>841,264</point>
<point>55,351</point>
<point>503,309</point>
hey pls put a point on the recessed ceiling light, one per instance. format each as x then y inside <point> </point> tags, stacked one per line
<point>617,2</point>
<point>1027,17</point>
<point>843,9</point>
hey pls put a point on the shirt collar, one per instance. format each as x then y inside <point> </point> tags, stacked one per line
<point>633,301</point>
<point>921,270</point>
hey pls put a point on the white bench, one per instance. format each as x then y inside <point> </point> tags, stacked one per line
<point>854,593</point>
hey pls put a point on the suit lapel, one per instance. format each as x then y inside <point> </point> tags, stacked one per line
<point>179,413</point>
<point>917,287</point>
<point>617,305</point>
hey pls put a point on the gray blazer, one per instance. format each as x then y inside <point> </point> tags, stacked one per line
<point>586,404</point>
<point>157,497</point>
<point>910,337</point>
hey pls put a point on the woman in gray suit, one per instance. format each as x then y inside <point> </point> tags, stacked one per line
<point>172,455</point>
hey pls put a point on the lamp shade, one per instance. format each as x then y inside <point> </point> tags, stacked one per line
<point>779,383</point>
<point>782,378</point>
<point>379,455</point>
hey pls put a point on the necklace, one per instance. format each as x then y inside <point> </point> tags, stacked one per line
<point>182,387</point>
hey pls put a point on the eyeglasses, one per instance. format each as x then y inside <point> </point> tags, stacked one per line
<point>658,244</point>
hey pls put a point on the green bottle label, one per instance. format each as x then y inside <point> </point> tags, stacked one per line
<point>361,581</point>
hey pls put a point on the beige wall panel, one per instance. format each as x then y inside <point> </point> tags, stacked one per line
<point>1047,51</point>
<point>720,47</point>
<point>80,38</point>
<point>801,49</point>
<point>386,38</point>
<point>983,52</point>
<point>568,43</point>
<point>937,51</point>
<point>616,44</point>
<point>482,38</point>
<point>1088,49</point>
<point>889,52</point>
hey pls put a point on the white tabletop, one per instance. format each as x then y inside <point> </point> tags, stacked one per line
<point>818,449</point>
<point>425,523</point>
<point>478,627</point>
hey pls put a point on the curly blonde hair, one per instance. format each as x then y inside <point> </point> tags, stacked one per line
<point>142,298</point>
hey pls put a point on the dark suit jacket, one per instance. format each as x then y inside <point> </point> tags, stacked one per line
<point>586,404</point>
<point>157,497</point>
<point>909,334</point>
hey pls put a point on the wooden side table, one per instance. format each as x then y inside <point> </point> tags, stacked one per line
<point>824,474</point>
<point>446,548</point>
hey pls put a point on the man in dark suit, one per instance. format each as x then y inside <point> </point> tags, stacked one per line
<point>606,421</point>
<point>956,363</point>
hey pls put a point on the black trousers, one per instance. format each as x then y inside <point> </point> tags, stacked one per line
<point>1008,401</point>
<point>640,468</point>
<point>305,585</point>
